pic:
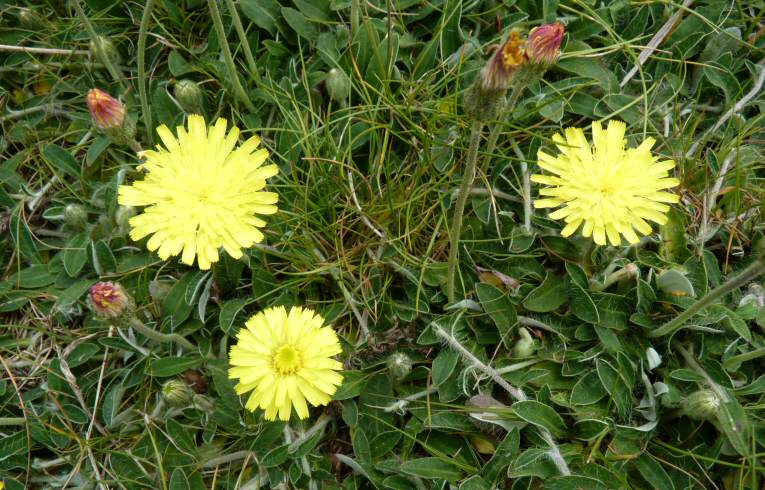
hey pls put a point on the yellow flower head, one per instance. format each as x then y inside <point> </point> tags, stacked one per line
<point>286,359</point>
<point>201,193</point>
<point>606,188</point>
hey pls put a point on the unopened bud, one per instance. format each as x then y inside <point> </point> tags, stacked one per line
<point>122,218</point>
<point>107,112</point>
<point>189,96</point>
<point>399,365</point>
<point>525,346</point>
<point>702,405</point>
<point>103,49</point>
<point>543,45</point>
<point>338,85</point>
<point>109,300</point>
<point>176,393</point>
<point>75,216</point>
<point>110,117</point>
<point>30,20</point>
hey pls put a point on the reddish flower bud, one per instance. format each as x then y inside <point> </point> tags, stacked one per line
<point>498,72</point>
<point>109,300</point>
<point>543,45</point>
<point>107,112</point>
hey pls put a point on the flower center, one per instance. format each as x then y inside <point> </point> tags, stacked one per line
<point>287,359</point>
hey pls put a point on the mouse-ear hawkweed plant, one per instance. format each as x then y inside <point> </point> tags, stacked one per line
<point>607,189</point>
<point>285,359</point>
<point>514,65</point>
<point>201,193</point>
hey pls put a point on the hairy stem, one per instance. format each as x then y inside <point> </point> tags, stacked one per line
<point>166,338</point>
<point>456,228</point>
<point>227,58</point>
<point>243,39</point>
<point>142,33</point>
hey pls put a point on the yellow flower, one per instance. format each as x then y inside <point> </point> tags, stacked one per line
<point>201,193</point>
<point>605,188</point>
<point>286,358</point>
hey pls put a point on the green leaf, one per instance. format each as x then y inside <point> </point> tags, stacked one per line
<point>652,471</point>
<point>61,159</point>
<point>353,384</point>
<point>539,414</point>
<point>736,324</point>
<point>574,482</point>
<point>548,296</point>
<point>616,384</point>
<point>228,313</point>
<point>674,283</point>
<point>263,13</point>
<point>299,23</point>
<point>81,354</point>
<point>582,305</point>
<point>587,390</point>
<point>99,145</point>
<point>170,366</point>
<point>179,481</point>
<point>499,308</point>
<point>444,365</point>
<point>431,468</point>
<point>22,237</point>
<point>75,255</point>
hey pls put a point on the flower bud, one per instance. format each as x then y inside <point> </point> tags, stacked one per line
<point>338,85</point>
<point>485,99</point>
<point>30,20</point>
<point>75,216</point>
<point>176,393</point>
<point>109,300</point>
<point>189,96</point>
<point>103,49</point>
<point>399,365</point>
<point>108,112</point>
<point>110,117</point>
<point>122,218</point>
<point>702,405</point>
<point>525,346</point>
<point>543,45</point>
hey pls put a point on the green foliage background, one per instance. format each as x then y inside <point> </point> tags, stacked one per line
<point>366,183</point>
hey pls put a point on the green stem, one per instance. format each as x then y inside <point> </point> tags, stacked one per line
<point>456,228</point>
<point>99,49</point>
<point>142,33</point>
<point>166,338</point>
<point>746,356</point>
<point>243,39</point>
<point>11,421</point>
<point>229,60</point>
<point>743,278</point>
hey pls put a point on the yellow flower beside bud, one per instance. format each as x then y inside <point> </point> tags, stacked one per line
<point>109,300</point>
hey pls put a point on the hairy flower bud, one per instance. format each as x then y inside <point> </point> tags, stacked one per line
<point>399,365</point>
<point>107,112</point>
<point>110,117</point>
<point>525,346</point>
<point>485,99</point>
<point>176,393</point>
<point>105,50</point>
<point>543,44</point>
<point>702,405</point>
<point>109,300</point>
<point>122,219</point>
<point>75,216</point>
<point>189,96</point>
<point>30,20</point>
<point>338,85</point>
